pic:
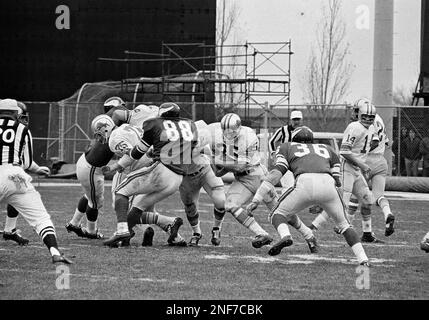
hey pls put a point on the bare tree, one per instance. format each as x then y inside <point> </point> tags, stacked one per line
<point>327,77</point>
<point>227,51</point>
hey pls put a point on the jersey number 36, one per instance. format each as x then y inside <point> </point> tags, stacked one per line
<point>304,149</point>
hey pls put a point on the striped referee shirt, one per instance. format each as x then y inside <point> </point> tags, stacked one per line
<point>16,143</point>
<point>282,135</point>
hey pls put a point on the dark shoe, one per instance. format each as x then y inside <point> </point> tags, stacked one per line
<point>424,245</point>
<point>178,243</point>
<point>15,236</point>
<point>76,229</point>
<point>174,229</point>
<point>61,259</point>
<point>215,236</point>
<point>261,240</point>
<point>365,263</point>
<point>148,237</point>
<point>369,237</point>
<point>195,239</point>
<point>89,235</point>
<point>389,225</point>
<point>312,244</point>
<point>278,246</point>
<point>114,240</point>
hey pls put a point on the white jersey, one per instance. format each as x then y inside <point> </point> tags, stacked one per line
<point>235,155</point>
<point>380,130</point>
<point>357,140</point>
<point>142,113</point>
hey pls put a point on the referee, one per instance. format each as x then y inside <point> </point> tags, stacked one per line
<point>284,134</point>
<point>16,147</point>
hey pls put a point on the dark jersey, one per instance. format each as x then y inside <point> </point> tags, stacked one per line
<point>173,140</point>
<point>99,154</point>
<point>305,158</point>
<point>16,145</point>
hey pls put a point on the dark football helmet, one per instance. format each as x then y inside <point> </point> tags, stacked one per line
<point>169,110</point>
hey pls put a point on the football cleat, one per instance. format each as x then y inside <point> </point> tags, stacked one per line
<point>279,245</point>
<point>114,240</point>
<point>312,244</point>
<point>148,237</point>
<point>424,245</point>
<point>196,237</point>
<point>89,235</point>
<point>61,259</point>
<point>215,237</point>
<point>178,242</point>
<point>15,236</point>
<point>365,263</point>
<point>261,240</point>
<point>174,229</point>
<point>76,229</point>
<point>369,237</point>
<point>389,225</point>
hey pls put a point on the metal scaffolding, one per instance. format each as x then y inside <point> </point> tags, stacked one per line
<point>253,73</point>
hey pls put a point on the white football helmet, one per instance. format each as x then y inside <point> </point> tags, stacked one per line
<point>366,111</point>
<point>102,126</point>
<point>231,125</point>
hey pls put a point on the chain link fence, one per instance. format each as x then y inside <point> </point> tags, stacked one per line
<point>61,130</point>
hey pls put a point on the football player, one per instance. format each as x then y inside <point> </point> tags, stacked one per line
<point>10,230</point>
<point>135,117</point>
<point>378,165</point>
<point>89,173</point>
<point>235,149</point>
<point>202,176</point>
<point>357,140</point>
<point>121,142</point>
<point>173,139</point>
<point>424,245</point>
<point>16,147</point>
<point>316,168</point>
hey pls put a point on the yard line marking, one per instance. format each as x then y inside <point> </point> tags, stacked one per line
<point>96,277</point>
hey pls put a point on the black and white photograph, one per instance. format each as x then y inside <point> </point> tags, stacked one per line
<point>214,156</point>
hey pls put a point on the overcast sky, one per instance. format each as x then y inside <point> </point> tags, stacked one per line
<point>280,20</point>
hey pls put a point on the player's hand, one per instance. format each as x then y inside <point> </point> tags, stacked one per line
<point>43,171</point>
<point>315,209</point>
<point>106,169</point>
<point>251,207</point>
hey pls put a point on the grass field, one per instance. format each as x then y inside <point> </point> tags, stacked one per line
<point>234,270</point>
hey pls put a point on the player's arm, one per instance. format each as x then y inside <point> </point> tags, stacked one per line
<point>277,136</point>
<point>335,166</point>
<point>267,186</point>
<point>120,117</point>
<point>346,147</point>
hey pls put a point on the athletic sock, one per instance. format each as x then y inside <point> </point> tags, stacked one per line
<point>77,217</point>
<point>196,228</point>
<point>79,211</point>
<point>280,223</point>
<point>359,252</point>
<point>249,222</point>
<point>383,203</point>
<point>320,220</point>
<point>218,217</point>
<point>10,224</point>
